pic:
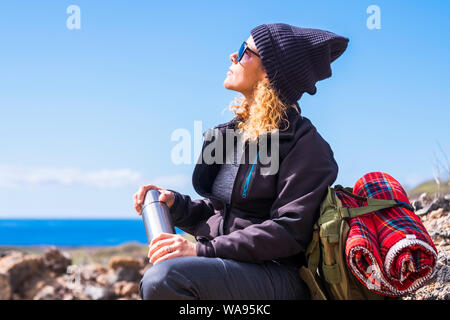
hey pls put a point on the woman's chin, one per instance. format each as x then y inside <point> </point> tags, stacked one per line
<point>229,85</point>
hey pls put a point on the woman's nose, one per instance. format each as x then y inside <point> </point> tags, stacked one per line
<point>233,57</point>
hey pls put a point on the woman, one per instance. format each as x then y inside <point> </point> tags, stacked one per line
<point>252,229</point>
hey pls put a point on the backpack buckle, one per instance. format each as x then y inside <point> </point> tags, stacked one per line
<point>345,212</point>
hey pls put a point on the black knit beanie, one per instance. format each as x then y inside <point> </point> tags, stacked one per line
<point>296,58</point>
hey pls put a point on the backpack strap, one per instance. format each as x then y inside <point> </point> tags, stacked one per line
<point>313,250</point>
<point>309,273</point>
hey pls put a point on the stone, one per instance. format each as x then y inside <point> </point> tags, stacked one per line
<point>125,262</point>
<point>56,260</point>
<point>97,293</point>
<point>425,198</point>
<point>92,271</point>
<point>5,287</point>
<point>417,205</point>
<point>46,293</point>
<point>125,289</point>
<point>20,268</point>
<point>128,274</point>
<point>107,279</point>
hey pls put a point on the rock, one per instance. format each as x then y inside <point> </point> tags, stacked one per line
<point>126,289</point>
<point>128,274</point>
<point>5,252</point>
<point>97,293</point>
<point>5,287</point>
<point>33,286</point>
<point>417,205</point>
<point>107,279</point>
<point>126,268</point>
<point>92,271</point>
<point>56,260</point>
<point>20,268</point>
<point>437,223</point>
<point>125,262</point>
<point>46,293</point>
<point>425,198</point>
<point>15,296</point>
<point>436,214</point>
<point>422,211</point>
<point>68,296</point>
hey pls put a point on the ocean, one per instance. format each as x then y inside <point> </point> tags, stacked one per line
<point>71,232</point>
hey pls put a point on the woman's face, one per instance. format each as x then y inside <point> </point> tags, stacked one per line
<point>244,75</point>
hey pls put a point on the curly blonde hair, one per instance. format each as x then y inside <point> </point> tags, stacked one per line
<point>264,117</point>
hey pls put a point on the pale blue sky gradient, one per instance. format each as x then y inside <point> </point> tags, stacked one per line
<point>86,116</point>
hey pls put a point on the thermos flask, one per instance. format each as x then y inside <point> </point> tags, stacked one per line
<point>156,216</point>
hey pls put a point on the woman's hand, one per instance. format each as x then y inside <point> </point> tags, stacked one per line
<point>167,246</point>
<point>166,196</point>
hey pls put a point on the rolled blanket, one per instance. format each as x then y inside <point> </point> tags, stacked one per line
<point>388,250</point>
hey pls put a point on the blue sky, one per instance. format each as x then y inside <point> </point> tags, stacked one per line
<point>86,116</point>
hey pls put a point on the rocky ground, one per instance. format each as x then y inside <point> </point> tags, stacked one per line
<point>94,274</point>
<point>435,215</point>
<point>53,276</point>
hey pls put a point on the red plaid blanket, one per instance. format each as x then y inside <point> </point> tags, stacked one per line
<point>388,250</point>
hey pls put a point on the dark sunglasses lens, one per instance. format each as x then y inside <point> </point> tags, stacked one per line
<point>241,52</point>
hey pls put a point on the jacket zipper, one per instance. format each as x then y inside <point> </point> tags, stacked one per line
<point>228,206</point>
<point>249,177</point>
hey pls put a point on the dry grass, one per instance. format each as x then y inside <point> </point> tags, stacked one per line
<point>429,187</point>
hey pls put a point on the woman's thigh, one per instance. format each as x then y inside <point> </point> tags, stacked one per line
<point>216,278</point>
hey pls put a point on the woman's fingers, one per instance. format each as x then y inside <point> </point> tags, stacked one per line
<point>158,245</point>
<point>167,197</point>
<point>171,255</point>
<point>163,235</point>
<point>139,196</point>
<point>167,248</point>
<point>135,204</point>
<point>159,253</point>
<point>143,191</point>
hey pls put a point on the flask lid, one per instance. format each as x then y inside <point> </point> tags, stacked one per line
<point>151,196</point>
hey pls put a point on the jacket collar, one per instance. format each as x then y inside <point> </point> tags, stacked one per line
<point>204,174</point>
<point>291,113</point>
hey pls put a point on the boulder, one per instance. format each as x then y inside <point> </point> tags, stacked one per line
<point>46,293</point>
<point>19,268</point>
<point>56,260</point>
<point>125,262</point>
<point>128,274</point>
<point>91,272</point>
<point>97,292</point>
<point>425,198</point>
<point>126,289</point>
<point>107,279</point>
<point>5,287</point>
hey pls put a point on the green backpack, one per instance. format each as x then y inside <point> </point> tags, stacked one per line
<point>327,274</point>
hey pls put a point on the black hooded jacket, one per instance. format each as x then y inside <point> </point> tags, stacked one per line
<point>270,217</point>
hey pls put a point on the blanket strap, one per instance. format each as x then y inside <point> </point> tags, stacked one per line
<point>372,204</point>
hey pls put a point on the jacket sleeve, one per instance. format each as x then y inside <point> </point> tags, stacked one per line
<point>304,176</point>
<point>187,213</point>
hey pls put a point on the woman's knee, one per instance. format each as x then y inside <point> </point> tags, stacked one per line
<point>153,281</point>
<point>164,280</point>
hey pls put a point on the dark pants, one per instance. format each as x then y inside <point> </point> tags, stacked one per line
<point>204,278</point>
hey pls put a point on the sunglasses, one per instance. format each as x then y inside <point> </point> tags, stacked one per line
<point>243,49</point>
